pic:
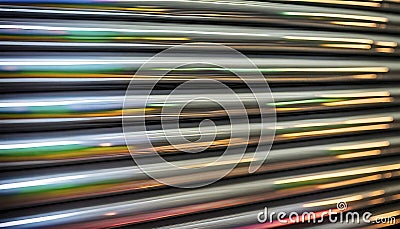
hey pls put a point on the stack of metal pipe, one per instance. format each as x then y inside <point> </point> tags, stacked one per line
<point>333,68</point>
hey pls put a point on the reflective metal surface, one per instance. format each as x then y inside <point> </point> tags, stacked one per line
<point>333,68</point>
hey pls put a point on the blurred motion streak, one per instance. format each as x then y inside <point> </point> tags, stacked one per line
<point>333,68</point>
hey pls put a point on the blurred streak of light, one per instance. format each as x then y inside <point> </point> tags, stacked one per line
<point>187,201</point>
<point>333,15</point>
<point>116,180</point>
<point>339,174</point>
